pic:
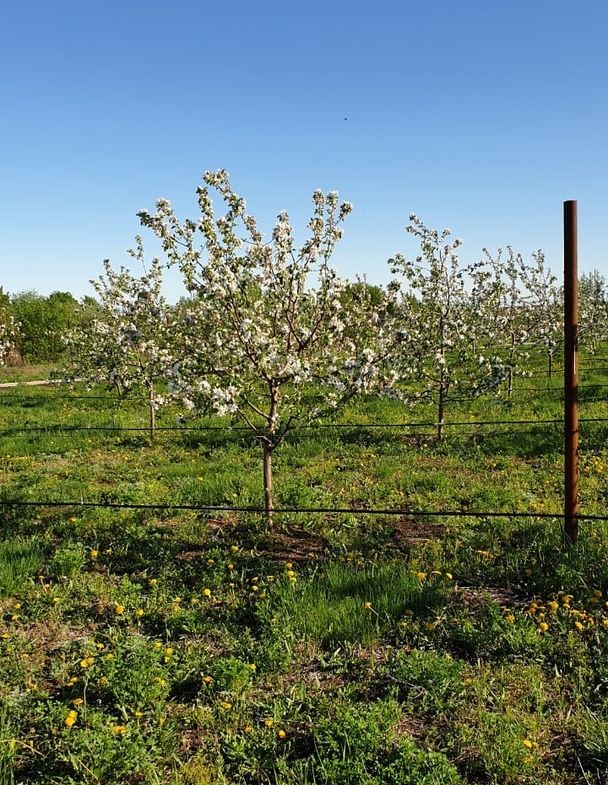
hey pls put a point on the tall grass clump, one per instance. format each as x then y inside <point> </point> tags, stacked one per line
<point>19,561</point>
<point>345,603</point>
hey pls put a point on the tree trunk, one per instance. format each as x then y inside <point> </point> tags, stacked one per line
<point>268,501</point>
<point>442,381</point>
<point>440,413</point>
<point>511,359</point>
<point>550,365</point>
<point>152,410</point>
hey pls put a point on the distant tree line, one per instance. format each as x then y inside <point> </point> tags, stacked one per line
<point>37,324</point>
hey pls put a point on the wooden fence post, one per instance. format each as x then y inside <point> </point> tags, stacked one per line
<point>571,507</point>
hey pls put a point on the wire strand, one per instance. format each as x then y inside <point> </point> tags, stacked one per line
<point>305,510</point>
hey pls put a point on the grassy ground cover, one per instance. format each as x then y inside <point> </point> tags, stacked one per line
<point>174,646</point>
<point>25,373</point>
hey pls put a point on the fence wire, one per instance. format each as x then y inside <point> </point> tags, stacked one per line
<point>389,511</point>
<point>65,430</point>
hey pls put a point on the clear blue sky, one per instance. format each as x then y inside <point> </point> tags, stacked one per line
<point>479,115</point>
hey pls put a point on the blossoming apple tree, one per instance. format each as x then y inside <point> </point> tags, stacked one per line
<point>525,308</point>
<point>448,328</point>
<point>544,308</point>
<point>267,327</point>
<point>592,310</point>
<point>128,344</point>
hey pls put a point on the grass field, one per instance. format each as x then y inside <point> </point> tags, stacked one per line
<point>182,647</point>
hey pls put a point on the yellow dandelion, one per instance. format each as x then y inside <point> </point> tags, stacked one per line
<point>269,722</point>
<point>70,719</point>
<point>93,553</point>
<point>281,734</point>
<point>206,592</point>
<point>119,609</point>
<point>367,605</point>
<point>543,626</point>
<point>119,730</point>
<point>510,618</point>
<point>421,575</point>
<point>139,613</point>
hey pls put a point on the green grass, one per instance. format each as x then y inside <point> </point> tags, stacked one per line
<point>332,648</point>
<point>25,373</point>
<point>349,604</point>
<point>19,562</point>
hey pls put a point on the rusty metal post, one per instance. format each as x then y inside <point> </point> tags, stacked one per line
<point>571,508</point>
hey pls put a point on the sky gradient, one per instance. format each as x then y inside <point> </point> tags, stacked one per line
<point>481,116</point>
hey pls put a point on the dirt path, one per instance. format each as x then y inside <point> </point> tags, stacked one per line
<point>36,383</point>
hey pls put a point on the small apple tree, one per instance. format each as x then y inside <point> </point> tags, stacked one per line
<point>448,326</point>
<point>128,343</point>
<point>267,329</point>
<point>592,310</point>
<point>544,307</point>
